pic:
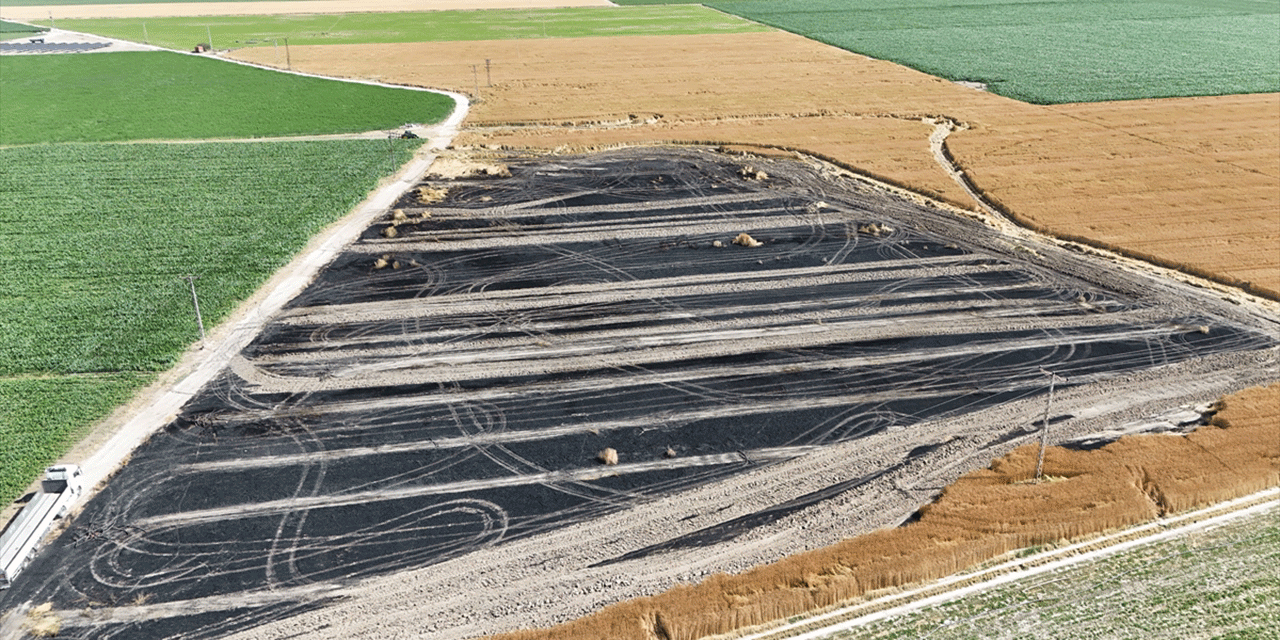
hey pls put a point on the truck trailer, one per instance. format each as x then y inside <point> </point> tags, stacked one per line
<point>58,491</point>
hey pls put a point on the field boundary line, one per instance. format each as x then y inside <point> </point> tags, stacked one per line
<point>959,585</point>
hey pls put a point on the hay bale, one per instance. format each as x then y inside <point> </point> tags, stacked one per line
<point>381,263</point>
<point>608,456</point>
<point>390,232</point>
<point>875,229</point>
<point>42,622</point>
<point>429,195</point>
<point>746,241</point>
<point>399,217</point>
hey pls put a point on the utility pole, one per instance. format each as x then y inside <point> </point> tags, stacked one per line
<point>209,33</point>
<point>145,38</point>
<point>191,280</point>
<point>488,77</point>
<point>475,78</point>
<point>1044,430</point>
<point>288,58</point>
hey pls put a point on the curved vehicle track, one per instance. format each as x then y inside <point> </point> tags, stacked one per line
<point>434,401</point>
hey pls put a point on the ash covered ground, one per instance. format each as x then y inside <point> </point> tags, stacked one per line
<point>438,397</point>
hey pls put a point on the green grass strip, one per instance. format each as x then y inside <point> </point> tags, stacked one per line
<point>171,96</point>
<point>432,26</point>
<point>42,417</point>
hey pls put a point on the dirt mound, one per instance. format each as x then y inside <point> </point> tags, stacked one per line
<point>275,8</point>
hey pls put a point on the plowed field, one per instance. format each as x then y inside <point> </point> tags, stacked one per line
<point>1192,183</point>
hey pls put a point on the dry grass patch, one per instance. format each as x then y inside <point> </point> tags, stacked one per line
<point>983,515</point>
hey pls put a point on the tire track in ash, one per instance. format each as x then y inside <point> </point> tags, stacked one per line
<point>393,419</point>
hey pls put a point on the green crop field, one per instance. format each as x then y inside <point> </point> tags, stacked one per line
<point>1052,51</point>
<point>170,96</point>
<point>1220,583</point>
<point>93,239</point>
<point>358,28</point>
<point>16,29</point>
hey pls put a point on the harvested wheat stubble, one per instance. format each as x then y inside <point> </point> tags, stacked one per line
<point>1193,182</point>
<point>983,515</point>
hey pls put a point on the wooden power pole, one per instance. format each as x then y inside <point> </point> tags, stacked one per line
<point>1044,429</point>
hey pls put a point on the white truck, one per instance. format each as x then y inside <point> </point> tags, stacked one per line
<point>58,491</point>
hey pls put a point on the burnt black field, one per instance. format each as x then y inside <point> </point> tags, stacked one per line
<point>456,396</point>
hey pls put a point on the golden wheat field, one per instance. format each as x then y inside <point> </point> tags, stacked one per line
<point>1188,183</point>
